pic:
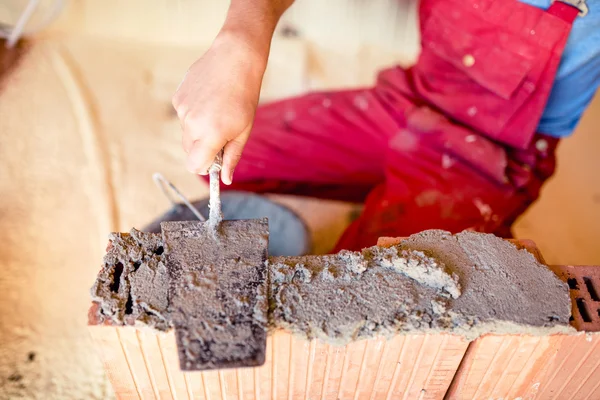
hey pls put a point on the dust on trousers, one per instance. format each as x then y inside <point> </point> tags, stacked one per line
<point>449,143</point>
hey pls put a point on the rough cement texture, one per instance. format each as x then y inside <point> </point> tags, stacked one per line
<point>469,284</point>
<point>339,298</point>
<point>217,292</point>
<point>131,288</point>
<point>499,282</point>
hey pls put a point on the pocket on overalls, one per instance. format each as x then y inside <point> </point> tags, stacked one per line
<point>479,74</point>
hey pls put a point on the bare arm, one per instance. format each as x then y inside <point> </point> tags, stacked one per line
<point>217,99</point>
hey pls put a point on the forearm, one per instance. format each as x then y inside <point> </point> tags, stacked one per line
<point>253,23</point>
<point>217,100</point>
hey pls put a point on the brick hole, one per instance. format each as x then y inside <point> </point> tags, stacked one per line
<point>159,250</point>
<point>572,282</point>
<point>129,305</point>
<point>591,289</point>
<point>136,265</point>
<point>583,310</point>
<point>117,277</point>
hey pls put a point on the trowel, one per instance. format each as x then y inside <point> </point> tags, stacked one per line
<point>217,286</point>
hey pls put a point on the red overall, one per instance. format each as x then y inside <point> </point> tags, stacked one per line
<point>449,143</point>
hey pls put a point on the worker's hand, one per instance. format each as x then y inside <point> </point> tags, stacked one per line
<point>216,103</point>
<point>217,99</point>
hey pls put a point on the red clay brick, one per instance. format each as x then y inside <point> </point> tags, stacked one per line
<point>584,284</point>
<point>143,364</point>
<point>493,366</point>
<point>561,367</point>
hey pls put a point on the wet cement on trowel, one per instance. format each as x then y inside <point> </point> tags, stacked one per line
<point>217,292</point>
<point>468,284</point>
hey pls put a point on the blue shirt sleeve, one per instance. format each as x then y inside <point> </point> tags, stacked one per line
<point>578,74</point>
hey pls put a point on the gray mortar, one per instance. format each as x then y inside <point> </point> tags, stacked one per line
<point>338,300</point>
<point>131,288</point>
<point>499,281</point>
<point>468,284</point>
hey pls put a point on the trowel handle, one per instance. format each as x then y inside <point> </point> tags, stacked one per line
<point>218,163</point>
<point>215,215</point>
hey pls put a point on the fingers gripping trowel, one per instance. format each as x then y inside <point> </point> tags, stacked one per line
<point>217,287</point>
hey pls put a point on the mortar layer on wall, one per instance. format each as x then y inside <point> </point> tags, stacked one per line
<point>132,286</point>
<point>468,284</point>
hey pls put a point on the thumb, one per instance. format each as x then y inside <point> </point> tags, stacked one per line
<point>231,157</point>
<point>202,155</point>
